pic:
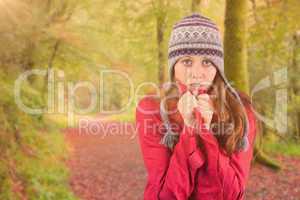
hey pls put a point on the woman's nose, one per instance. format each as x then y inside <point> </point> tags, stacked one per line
<point>197,70</point>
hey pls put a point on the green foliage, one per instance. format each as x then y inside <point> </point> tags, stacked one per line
<point>283,148</point>
<point>271,47</point>
<point>30,161</point>
<point>43,174</point>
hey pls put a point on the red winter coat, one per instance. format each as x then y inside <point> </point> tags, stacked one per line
<point>185,173</point>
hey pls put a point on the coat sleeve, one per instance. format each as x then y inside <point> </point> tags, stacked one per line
<point>229,175</point>
<point>171,175</point>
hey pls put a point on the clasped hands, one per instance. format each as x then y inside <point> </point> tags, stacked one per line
<point>188,104</point>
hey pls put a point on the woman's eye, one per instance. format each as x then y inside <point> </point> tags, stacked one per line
<point>207,62</point>
<point>187,62</point>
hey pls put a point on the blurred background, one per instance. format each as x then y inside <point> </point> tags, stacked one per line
<point>74,148</point>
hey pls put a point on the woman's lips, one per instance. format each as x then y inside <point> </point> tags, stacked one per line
<point>197,86</point>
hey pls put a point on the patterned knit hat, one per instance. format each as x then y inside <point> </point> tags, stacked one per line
<point>197,35</point>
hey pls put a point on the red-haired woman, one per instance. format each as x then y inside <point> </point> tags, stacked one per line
<point>197,138</point>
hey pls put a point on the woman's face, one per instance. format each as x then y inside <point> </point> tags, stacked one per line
<point>195,69</point>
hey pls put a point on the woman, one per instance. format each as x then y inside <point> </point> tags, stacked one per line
<point>196,139</point>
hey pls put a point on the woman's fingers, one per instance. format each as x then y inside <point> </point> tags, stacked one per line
<point>206,108</point>
<point>205,105</point>
<point>186,103</point>
<point>204,96</point>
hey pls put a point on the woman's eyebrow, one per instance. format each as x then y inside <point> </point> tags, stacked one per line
<point>206,58</point>
<point>186,57</point>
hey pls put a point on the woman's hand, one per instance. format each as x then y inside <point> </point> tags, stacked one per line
<point>205,107</point>
<point>202,103</point>
<point>185,106</point>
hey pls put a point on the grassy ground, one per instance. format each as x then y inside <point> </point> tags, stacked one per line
<point>36,169</point>
<point>288,148</point>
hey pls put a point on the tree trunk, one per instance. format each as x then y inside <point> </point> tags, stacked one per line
<point>259,155</point>
<point>295,85</point>
<point>160,29</point>
<point>262,158</point>
<point>195,7</point>
<point>235,46</point>
<point>235,58</point>
<point>50,63</point>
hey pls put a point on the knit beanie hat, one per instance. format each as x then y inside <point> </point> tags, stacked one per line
<point>197,35</point>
